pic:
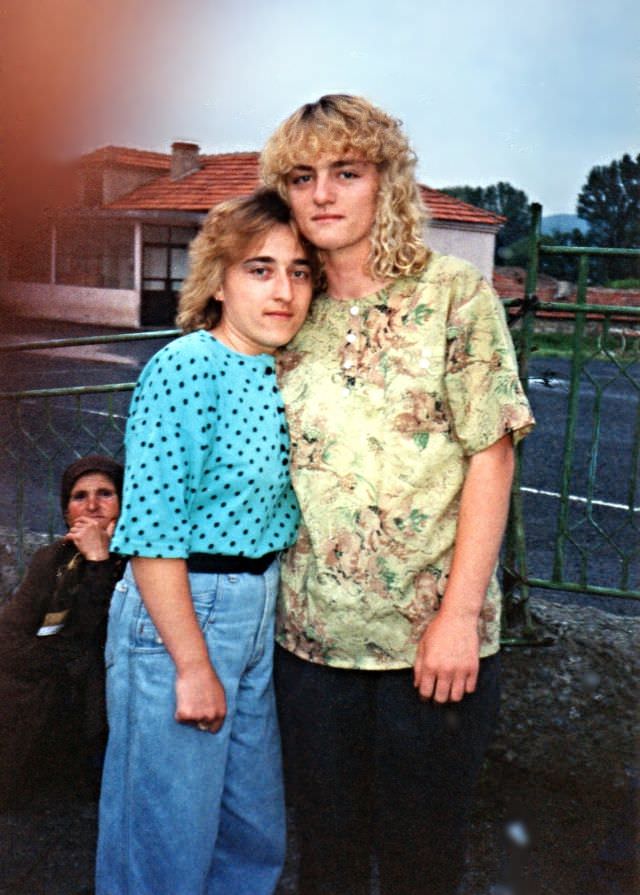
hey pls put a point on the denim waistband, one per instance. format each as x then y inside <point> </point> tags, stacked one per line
<point>217,564</point>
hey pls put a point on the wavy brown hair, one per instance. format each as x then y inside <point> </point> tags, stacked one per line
<point>348,126</point>
<point>228,231</point>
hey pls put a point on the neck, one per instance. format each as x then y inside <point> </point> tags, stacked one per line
<point>347,277</point>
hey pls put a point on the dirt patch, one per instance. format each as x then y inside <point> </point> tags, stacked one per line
<point>555,807</point>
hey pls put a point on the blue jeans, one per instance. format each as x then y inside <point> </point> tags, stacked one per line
<point>182,811</point>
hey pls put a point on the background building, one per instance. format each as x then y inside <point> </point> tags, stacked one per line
<point>112,249</point>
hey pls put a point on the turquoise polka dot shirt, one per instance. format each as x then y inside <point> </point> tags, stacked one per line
<point>207,456</point>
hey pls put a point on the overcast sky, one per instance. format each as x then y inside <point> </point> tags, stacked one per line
<point>535,93</point>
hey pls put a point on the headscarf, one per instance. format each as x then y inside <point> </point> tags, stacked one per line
<point>86,465</point>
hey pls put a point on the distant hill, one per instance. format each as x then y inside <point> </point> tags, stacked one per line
<point>563,222</point>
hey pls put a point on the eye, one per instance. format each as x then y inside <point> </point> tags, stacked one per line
<point>106,493</point>
<point>299,179</point>
<point>259,272</point>
<point>301,274</point>
<point>348,175</point>
<point>79,495</point>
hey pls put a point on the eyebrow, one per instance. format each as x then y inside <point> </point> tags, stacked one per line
<point>340,163</point>
<point>266,259</point>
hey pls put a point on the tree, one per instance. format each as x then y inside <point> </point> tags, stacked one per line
<point>500,198</point>
<point>562,267</point>
<point>609,202</point>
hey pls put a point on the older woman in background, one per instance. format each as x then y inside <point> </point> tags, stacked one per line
<point>52,633</point>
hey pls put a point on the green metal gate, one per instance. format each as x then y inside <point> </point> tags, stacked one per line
<point>604,354</point>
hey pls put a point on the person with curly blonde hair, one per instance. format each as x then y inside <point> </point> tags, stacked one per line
<point>192,798</point>
<point>403,402</point>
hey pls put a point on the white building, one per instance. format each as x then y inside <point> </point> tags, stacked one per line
<point>116,252</point>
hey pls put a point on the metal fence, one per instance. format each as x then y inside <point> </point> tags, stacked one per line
<point>587,531</point>
<point>43,430</point>
<point>592,541</point>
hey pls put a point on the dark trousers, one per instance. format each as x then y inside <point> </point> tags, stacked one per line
<point>371,769</point>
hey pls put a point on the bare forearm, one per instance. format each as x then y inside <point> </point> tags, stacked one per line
<point>447,659</point>
<point>164,587</point>
<point>484,507</point>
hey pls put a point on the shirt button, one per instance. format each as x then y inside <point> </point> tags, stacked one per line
<point>354,310</point>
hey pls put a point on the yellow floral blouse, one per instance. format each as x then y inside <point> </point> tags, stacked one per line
<point>386,399</point>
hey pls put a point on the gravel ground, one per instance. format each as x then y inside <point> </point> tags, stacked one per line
<point>555,808</point>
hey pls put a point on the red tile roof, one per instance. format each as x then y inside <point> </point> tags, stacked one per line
<point>131,158</point>
<point>443,207</point>
<point>236,173</point>
<point>219,177</point>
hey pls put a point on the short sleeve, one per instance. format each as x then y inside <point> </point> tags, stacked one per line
<point>484,392</point>
<point>167,443</point>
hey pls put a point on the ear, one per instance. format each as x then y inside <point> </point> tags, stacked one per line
<point>219,293</point>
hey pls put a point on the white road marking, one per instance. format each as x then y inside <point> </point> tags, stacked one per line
<point>577,499</point>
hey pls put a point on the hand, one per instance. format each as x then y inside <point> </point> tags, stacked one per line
<point>200,698</point>
<point>91,538</point>
<point>447,660</point>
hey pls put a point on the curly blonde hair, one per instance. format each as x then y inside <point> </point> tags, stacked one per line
<point>346,125</point>
<point>228,230</point>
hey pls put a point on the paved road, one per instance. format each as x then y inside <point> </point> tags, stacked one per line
<point>602,538</point>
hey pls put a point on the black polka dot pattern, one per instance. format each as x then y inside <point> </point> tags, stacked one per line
<point>206,456</point>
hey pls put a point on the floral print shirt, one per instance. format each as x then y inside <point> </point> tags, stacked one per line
<point>387,397</point>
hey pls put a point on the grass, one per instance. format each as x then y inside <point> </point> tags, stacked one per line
<point>560,344</point>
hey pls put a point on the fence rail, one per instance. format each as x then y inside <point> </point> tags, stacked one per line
<point>583,539</point>
<point>594,539</point>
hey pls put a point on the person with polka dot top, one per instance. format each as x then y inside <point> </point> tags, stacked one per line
<point>192,795</point>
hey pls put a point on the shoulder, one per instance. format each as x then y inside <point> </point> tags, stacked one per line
<point>193,348</point>
<point>37,584</point>
<point>181,364</point>
<point>448,270</point>
<point>52,556</point>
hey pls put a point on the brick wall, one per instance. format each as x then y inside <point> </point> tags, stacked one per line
<point>509,283</point>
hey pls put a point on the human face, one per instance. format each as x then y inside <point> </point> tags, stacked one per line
<point>265,295</point>
<point>93,496</point>
<point>334,202</point>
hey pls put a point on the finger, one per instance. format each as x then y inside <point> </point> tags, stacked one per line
<point>111,527</point>
<point>209,726</point>
<point>417,670</point>
<point>442,692</point>
<point>427,685</point>
<point>457,688</point>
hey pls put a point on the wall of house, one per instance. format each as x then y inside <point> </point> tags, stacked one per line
<point>120,181</point>
<point>78,304</point>
<point>476,245</point>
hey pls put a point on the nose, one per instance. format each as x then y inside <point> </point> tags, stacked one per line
<point>92,501</point>
<point>283,286</point>
<point>323,192</point>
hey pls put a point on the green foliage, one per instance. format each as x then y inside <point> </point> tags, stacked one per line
<point>562,267</point>
<point>500,198</point>
<point>609,202</point>
<point>627,283</point>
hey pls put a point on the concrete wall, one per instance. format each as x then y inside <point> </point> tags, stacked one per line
<point>476,245</point>
<point>78,304</point>
<point>120,181</point>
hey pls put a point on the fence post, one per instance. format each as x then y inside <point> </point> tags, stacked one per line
<point>515,572</point>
